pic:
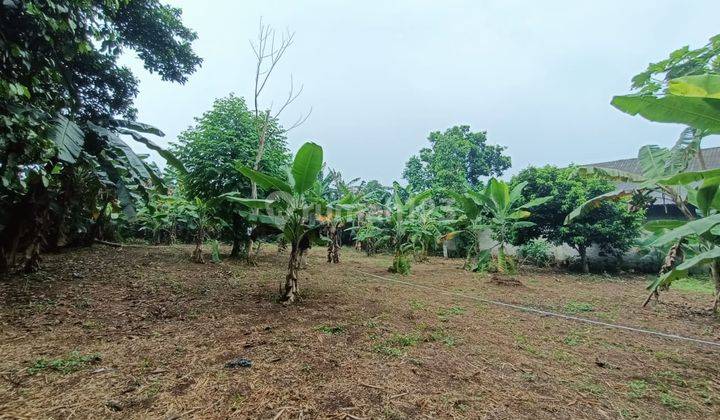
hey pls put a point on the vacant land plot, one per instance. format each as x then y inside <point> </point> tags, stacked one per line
<point>143,332</point>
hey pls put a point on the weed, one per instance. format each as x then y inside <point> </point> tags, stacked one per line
<point>394,345</point>
<point>669,377</point>
<point>237,401</point>
<point>638,388</point>
<point>445,314</point>
<point>573,339</point>
<point>441,336</point>
<point>331,330</point>
<point>417,305</point>
<point>387,350</point>
<point>573,307</point>
<point>595,389</point>
<point>74,362</point>
<point>669,400</point>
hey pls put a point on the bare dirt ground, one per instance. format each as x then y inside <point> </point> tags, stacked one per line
<point>145,333</point>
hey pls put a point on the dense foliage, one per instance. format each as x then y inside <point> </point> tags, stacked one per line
<point>63,164</point>
<point>613,227</point>
<point>457,158</point>
<point>222,137</point>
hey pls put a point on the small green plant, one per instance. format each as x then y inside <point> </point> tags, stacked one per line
<point>536,252</point>
<point>444,314</point>
<point>387,350</point>
<point>400,265</point>
<point>573,307</point>
<point>638,388</point>
<point>669,400</point>
<point>573,339</point>
<point>331,330</point>
<point>417,305</point>
<point>215,251</point>
<point>593,388</point>
<point>394,345</point>
<point>74,362</point>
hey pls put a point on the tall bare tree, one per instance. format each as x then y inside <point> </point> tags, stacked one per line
<point>269,48</point>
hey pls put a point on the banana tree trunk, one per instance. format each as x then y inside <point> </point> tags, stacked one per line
<point>501,267</point>
<point>333,255</point>
<point>291,280</point>
<point>197,255</point>
<point>715,272</point>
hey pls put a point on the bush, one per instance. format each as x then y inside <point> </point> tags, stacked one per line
<point>536,252</point>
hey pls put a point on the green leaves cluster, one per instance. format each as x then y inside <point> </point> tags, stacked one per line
<point>457,158</point>
<point>610,225</point>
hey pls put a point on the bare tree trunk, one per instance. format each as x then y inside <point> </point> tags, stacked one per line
<point>584,259</point>
<point>291,280</point>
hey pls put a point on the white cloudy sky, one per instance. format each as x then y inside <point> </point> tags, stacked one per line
<point>380,75</point>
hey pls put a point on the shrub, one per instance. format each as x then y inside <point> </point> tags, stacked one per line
<point>536,252</point>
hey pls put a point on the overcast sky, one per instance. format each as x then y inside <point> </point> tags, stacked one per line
<point>381,75</point>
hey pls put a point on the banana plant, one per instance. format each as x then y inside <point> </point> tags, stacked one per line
<point>426,226</point>
<point>288,207</point>
<point>698,239</point>
<point>335,216</point>
<point>656,164</point>
<point>498,209</point>
<point>690,100</point>
<point>390,229</point>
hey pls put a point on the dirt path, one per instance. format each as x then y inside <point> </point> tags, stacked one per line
<point>163,329</point>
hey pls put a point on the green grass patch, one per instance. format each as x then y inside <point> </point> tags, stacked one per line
<point>637,388</point>
<point>417,305</point>
<point>331,329</point>
<point>574,307</point>
<point>573,339</point>
<point>669,400</point>
<point>74,362</point>
<point>694,285</point>
<point>396,345</point>
<point>441,336</point>
<point>445,313</point>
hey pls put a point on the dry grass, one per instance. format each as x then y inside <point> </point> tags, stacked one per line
<point>353,347</point>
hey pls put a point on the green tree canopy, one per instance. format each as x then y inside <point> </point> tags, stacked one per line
<point>64,103</point>
<point>221,137</point>
<point>455,159</point>
<point>611,225</point>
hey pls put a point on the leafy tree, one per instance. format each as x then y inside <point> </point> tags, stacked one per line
<point>61,91</point>
<point>610,225</point>
<point>221,137</point>
<point>288,208</point>
<point>455,159</point>
<point>373,192</point>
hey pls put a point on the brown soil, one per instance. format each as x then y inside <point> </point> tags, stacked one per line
<point>354,346</point>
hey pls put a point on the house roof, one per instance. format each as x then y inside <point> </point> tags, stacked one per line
<point>711,157</point>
